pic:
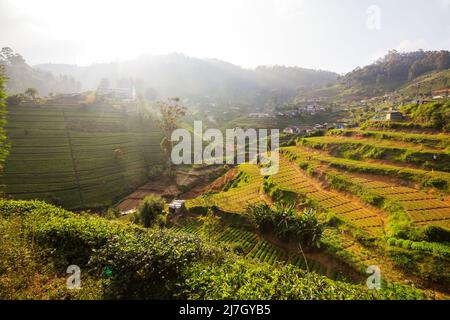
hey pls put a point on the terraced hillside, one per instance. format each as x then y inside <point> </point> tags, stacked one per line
<point>77,156</point>
<point>384,210</point>
<point>291,179</point>
<point>421,208</point>
<point>394,171</point>
<point>244,191</point>
<point>252,246</point>
<point>400,152</point>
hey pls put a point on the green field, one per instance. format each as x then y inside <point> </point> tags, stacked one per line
<point>77,156</point>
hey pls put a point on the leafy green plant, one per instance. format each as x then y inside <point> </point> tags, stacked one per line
<point>287,224</point>
<point>3,145</point>
<point>210,224</point>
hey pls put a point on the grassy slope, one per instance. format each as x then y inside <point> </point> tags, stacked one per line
<point>396,151</point>
<point>426,83</point>
<point>43,240</point>
<point>379,187</point>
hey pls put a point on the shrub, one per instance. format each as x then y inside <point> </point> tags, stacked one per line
<point>279,194</point>
<point>436,234</point>
<point>146,265</point>
<point>76,237</point>
<point>149,211</point>
<point>287,224</point>
<point>241,279</point>
<point>15,208</point>
<point>111,213</point>
<point>437,183</point>
<point>210,224</point>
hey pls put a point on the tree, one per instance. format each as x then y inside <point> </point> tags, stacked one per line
<point>32,93</point>
<point>150,209</point>
<point>171,112</point>
<point>210,224</point>
<point>3,145</point>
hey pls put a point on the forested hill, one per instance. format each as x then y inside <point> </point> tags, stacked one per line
<point>423,70</point>
<point>20,76</point>
<point>394,70</point>
<point>201,80</point>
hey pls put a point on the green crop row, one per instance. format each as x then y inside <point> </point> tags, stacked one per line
<point>102,164</point>
<point>391,125</point>
<point>360,149</point>
<point>429,140</point>
<point>437,179</point>
<point>266,252</point>
<point>441,249</point>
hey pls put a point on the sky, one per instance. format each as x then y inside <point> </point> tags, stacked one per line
<point>335,35</point>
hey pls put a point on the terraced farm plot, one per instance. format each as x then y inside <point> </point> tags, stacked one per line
<point>192,227</point>
<point>422,208</point>
<point>329,201</point>
<point>398,152</point>
<point>266,252</point>
<point>383,143</point>
<point>423,177</point>
<point>76,156</point>
<point>245,239</point>
<point>236,200</point>
<point>440,141</point>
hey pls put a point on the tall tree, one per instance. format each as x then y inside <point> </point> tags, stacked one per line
<point>171,112</point>
<point>32,93</point>
<point>3,143</point>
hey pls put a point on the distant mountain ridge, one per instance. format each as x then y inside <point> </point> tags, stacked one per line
<point>204,80</point>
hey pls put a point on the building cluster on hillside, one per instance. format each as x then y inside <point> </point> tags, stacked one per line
<point>314,128</point>
<point>122,94</point>
<point>311,109</point>
<point>441,93</point>
<point>291,113</point>
<point>259,115</point>
<point>69,98</point>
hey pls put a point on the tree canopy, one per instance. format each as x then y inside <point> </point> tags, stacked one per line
<point>3,142</point>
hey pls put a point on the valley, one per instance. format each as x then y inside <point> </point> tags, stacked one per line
<point>359,207</point>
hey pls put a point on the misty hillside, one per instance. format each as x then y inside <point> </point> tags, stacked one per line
<point>201,80</point>
<point>21,76</point>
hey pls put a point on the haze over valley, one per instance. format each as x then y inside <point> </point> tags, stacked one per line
<point>225,150</point>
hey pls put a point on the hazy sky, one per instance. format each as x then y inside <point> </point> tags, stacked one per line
<point>336,35</point>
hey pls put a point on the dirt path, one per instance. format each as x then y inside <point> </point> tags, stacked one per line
<point>170,188</point>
